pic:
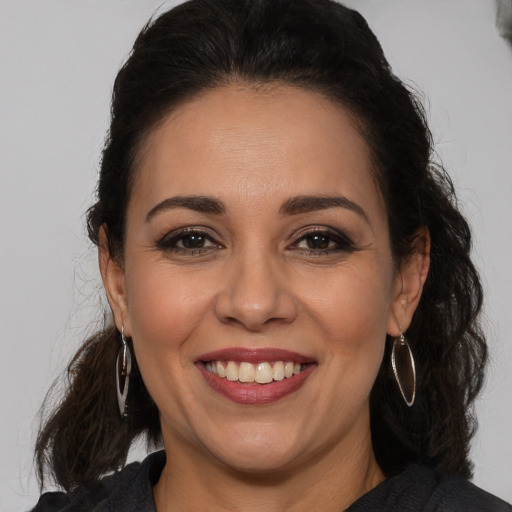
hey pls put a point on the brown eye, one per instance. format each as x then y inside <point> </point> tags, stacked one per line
<point>323,241</point>
<point>318,241</point>
<point>188,241</point>
<point>193,241</point>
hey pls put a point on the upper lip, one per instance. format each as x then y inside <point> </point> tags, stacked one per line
<point>255,355</point>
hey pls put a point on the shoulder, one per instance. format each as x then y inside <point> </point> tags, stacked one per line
<point>129,490</point>
<point>51,502</point>
<point>454,493</point>
<point>419,488</point>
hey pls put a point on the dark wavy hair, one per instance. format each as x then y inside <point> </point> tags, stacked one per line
<point>321,46</point>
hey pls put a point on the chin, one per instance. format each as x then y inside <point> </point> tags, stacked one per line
<point>259,452</point>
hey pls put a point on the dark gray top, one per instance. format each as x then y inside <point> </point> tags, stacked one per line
<point>417,489</point>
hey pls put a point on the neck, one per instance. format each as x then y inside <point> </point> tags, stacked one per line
<point>331,482</point>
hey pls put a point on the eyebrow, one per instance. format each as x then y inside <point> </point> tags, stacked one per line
<point>306,204</point>
<point>202,204</point>
<point>293,206</point>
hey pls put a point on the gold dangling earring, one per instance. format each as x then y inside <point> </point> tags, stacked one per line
<point>404,369</point>
<point>123,370</point>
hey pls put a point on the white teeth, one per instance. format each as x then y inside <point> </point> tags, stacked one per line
<point>246,372</point>
<point>232,371</point>
<point>221,371</point>
<point>262,373</point>
<point>278,370</point>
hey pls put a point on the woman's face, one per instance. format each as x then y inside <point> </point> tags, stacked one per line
<point>257,241</point>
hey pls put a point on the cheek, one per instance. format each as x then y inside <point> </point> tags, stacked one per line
<point>351,309</point>
<point>352,300</point>
<point>164,306</point>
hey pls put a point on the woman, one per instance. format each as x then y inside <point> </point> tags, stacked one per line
<point>295,311</point>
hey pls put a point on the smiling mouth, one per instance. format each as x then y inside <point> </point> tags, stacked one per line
<point>249,373</point>
<point>255,376</point>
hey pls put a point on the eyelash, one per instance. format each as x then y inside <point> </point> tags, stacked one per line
<point>323,235</point>
<point>170,241</point>
<point>342,242</point>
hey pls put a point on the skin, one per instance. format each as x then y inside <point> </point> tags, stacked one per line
<point>257,283</point>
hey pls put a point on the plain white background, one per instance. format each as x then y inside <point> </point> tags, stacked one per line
<point>58,60</point>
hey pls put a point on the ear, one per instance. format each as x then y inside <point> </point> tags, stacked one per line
<point>112,274</point>
<point>408,286</point>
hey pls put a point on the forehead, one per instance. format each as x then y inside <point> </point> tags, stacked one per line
<point>256,146</point>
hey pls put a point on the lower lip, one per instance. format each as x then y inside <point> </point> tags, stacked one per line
<point>256,394</point>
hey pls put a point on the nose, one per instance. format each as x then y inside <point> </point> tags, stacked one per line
<point>255,294</point>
